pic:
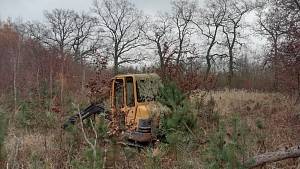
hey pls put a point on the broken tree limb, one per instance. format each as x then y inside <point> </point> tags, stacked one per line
<point>270,157</point>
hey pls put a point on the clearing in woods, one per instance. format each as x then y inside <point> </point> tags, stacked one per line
<point>272,115</point>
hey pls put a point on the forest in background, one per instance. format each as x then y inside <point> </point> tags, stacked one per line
<point>208,43</point>
<point>48,67</point>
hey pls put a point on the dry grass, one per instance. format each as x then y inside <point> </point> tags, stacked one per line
<point>29,149</point>
<point>277,112</point>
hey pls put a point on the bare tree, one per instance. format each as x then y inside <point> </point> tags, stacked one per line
<point>38,32</point>
<point>60,27</point>
<point>159,34</point>
<point>183,12</point>
<point>34,30</point>
<point>68,32</point>
<point>120,23</point>
<point>56,33</point>
<point>236,10</point>
<point>280,24</point>
<point>85,42</point>
<point>271,25</point>
<point>209,22</point>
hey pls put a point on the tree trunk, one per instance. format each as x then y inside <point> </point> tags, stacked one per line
<point>15,85</point>
<point>16,63</point>
<point>62,86</point>
<point>83,80</point>
<point>269,157</point>
<point>116,66</point>
<point>82,75</point>
<point>161,60</point>
<point>116,58</point>
<point>179,53</point>
<point>208,67</point>
<point>162,68</point>
<point>62,77</point>
<point>38,86</point>
<point>51,84</point>
<point>230,75</point>
<point>208,57</point>
<point>275,66</point>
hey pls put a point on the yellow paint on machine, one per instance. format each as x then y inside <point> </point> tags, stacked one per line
<point>125,96</point>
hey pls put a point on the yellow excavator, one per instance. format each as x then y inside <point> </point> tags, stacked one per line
<point>134,111</point>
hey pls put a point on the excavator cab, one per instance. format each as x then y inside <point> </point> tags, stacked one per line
<point>131,97</point>
<point>132,103</point>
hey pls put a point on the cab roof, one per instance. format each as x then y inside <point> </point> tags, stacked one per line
<point>139,76</point>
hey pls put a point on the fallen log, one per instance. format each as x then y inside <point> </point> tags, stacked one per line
<point>270,157</point>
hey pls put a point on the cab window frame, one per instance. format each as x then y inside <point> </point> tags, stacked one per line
<point>130,100</point>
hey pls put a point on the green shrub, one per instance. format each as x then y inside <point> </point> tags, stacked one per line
<point>31,117</point>
<point>178,123</point>
<point>102,127</point>
<point>228,149</point>
<point>180,117</point>
<point>25,115</point>
<point>259,124</point>
<point>260,135</point>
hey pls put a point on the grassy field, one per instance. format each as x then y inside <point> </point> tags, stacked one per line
<point>273,121</point>
<point>273,115</point>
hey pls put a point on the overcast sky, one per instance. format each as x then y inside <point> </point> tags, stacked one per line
<point>33,9</point>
